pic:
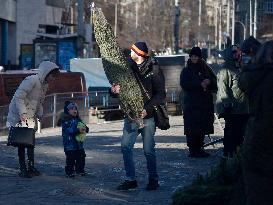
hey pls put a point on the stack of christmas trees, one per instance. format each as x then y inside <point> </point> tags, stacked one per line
<point>222,186</point>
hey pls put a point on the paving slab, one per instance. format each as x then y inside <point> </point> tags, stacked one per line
<point>104,164</point>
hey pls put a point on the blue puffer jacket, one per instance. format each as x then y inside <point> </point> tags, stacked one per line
<point>69,132</point>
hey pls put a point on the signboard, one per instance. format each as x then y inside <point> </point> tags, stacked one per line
<point>66,52</point>
<point>26,59</point>
<point>45,51</point>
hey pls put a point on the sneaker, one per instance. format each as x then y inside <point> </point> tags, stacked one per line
<point>152,185</point>
<point>126,185</point>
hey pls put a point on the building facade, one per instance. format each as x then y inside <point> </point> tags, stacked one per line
<point>257,16</point>
<point>21,21</point>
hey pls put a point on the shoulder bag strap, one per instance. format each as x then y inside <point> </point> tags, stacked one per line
<point>141,85</point>
<point>145,91</point>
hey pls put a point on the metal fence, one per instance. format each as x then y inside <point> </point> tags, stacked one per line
<point>3,119</point>
<point>94,107</point>
<point>54,106</point>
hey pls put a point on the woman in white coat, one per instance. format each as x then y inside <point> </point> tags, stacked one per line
<point>27,105</point>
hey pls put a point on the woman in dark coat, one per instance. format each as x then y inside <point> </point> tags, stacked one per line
<point>198,83</point>
<point>256,81</point>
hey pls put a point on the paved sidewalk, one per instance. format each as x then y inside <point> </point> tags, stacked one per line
<point>105,165</point>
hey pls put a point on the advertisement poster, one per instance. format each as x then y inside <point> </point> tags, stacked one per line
<point>66,52</point>
<point>45,51</point>
<point>26,56</point>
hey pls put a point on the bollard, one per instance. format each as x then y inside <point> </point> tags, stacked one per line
<point>54,110</point>
<point>88,102</point>
<point>104,101</point>
<point>107,100</point>
<point>39,130</point>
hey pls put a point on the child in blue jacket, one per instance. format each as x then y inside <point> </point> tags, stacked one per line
<point>73,147</point>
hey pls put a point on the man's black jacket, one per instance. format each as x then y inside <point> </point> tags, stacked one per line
<point>151,77</point>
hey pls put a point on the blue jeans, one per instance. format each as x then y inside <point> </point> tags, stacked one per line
<point>130,133</point>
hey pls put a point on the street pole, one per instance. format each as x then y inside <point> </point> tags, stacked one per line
<point>176,27</point>
<point>5,42</point>
<point>199,14</point>
<point>80,28</point>
<point>233,22</point>
<point>215,23</point>
<point>199,21</point>
<point>220,27</point>
<point>116,18</point>
<point>255,19</point>
<point>136,18</point>
<point>244,27</point>
<point>91,25</point>
<point>228,17</point>
<point>250,18</point>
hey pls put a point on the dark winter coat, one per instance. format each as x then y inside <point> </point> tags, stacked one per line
<point>230,98</point>
<point>151,77</point>
<point>198,108</point>
<point>70,131</point>
<point>257,83</point>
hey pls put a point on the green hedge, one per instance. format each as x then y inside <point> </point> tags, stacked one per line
<point>216,188</point>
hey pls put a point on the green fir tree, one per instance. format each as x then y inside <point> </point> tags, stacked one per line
<point>116,66</point>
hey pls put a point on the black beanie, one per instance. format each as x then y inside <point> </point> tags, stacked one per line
<point>196,51</point>
<point>140,48</point>
<point>250,45</point>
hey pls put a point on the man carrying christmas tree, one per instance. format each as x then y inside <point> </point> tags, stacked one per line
<point>150,77</point>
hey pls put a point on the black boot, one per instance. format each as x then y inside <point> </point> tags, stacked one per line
<point>23,171</point>
<point>199,153</point>
<point>192,152</point>
<point>152,185</point>
<point>32,170</point>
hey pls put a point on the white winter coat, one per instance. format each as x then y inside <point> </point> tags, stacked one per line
<point>29,97</point>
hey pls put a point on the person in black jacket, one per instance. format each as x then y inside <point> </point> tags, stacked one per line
<point>256,80</point>
<point>198,83</point>
<point>249,49</point>
<point>149,74</point>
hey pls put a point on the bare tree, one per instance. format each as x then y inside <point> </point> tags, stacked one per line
<point>152,21</point>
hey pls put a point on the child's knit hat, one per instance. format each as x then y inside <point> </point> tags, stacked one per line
<point>69,105</point>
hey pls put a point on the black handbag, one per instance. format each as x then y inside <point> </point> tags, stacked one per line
<point>21,136</point>
<point>161,117</point>
<point>160,112</point>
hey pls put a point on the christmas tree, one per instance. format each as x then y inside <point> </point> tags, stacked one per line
<point>116,66</point>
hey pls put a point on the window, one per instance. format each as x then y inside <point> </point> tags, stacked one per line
<point>55,3</point>
<point>268,7</point>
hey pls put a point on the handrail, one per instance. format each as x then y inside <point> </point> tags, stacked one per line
<point>4,106</point>
<point>101,100</point>
<point>65,93</point>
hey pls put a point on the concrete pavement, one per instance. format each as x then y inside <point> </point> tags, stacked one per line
<point>105,166</point>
